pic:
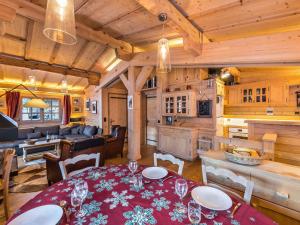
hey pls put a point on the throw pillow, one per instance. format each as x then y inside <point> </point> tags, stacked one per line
<point>34,135</point>
<point>22,133</point>
<point>90,131</point>
<point>81,129</point>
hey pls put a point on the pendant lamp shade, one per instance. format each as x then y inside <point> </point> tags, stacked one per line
<point>163,56</point>
<point>60,22</point>
<point>36,103</point>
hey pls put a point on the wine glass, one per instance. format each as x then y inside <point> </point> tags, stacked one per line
<point>194,212</point>
<point>181,188</point>
<point>79,194</point>
<point>132,166</point>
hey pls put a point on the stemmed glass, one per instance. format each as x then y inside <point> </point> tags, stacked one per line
<point>181,188</point>
<point>78,196</point>
<point>194,212</point>
<point>132,166</point>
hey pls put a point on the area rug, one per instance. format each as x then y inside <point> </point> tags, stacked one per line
<point>30,178</point>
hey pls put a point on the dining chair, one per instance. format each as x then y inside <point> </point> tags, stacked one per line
<point>73,161</point>
<point>171,159</point>
<point>18,199</point>
<point>228,174</point>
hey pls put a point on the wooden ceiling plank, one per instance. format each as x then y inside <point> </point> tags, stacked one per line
<point>54,53</point>
<point>44,78</point>
<point>78,81</point>
<point>2,28</point>
<point>21,62</point>
<point>84,46</point>
<point>177,20</point>
<point>28,39</point>
<point>114,73</point>
<point>8,10</point>
<point>35,12</point>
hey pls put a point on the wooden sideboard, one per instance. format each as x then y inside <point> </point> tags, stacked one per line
<point>276,185</point>
<point>178,141</point>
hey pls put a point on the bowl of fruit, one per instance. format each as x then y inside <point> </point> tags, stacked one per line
<point>244,156</point>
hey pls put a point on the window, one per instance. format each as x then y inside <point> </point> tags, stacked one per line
<point>52,113</point>
<point>30,113</point>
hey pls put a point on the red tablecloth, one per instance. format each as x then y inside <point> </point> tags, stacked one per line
<point>112,200</point>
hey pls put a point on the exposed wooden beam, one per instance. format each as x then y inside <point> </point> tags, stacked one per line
<point>32,64</point>
<point>30,24</point>
<point>79,53</point>
<point>1,72</point>
<point>44,78</point>
<point>114,74</point>
<point>178,21</point>
<point>78,81</point>
<point>54,53</point>
<point>8,10</point>
<point>37,13</point>
<point>142,77</point>
<point>276,49</point>
<point>124,80</point>
<point>2,28</point>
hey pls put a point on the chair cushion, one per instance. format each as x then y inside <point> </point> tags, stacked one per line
<point>22,133</point>
<point>65,131</point>
<point>52,130</point>
<point>34,135</point>
<point>75,137</point>
<point>90,131</point>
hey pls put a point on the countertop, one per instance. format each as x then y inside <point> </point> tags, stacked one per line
<point>274,168</point>
<point>185,127</point>
<point>275,122</point>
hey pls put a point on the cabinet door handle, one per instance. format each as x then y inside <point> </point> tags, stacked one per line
<point>282,195</point>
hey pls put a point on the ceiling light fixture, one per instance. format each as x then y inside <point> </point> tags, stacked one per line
<point>64,86</point>
<point>60,22</point>
<point>163,64</point>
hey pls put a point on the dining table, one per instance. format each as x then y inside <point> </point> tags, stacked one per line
<point>112,199</point>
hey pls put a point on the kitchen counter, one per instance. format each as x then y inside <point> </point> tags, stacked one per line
<point>275,122</point>
<point>184,127</point>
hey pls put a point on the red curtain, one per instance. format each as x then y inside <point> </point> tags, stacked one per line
<point>12,103</point>
<point>66,109</point>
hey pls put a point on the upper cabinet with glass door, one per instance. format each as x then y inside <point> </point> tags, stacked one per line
<point>181,103</point>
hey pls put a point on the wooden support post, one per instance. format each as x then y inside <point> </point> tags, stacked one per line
<point>162,81</point>
<point>134,117</point>
<point>124,80</point>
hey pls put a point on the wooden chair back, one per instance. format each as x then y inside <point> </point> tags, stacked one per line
<point>171,159</point>
<point>8,156</point>
<point>228,174</point>
<point>83,157</point>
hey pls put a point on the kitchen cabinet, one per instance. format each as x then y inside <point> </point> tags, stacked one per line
<point>255,93</point>
<point>233,95</point>
<point>279,93</point>
<point>180,103</point>
<point>178,141</point>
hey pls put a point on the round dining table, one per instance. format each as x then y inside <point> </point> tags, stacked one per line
<point>113,200</point>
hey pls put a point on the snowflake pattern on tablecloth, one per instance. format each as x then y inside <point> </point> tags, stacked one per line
<point>235,222</point>
<point>99,220</point>
<point>89,195</point>
<point>159,192</point>
<point>91,207</point>
<point>147,194</point>
<point>161,203</point>
<point>105,185</point>
<point>217,223</point>
<point>136,188</point>
<point>118,198</point>
<point>139,216</point>
<point>175,215</point>
<point>113,169</point>
<point>95,175</point>
<point>120,174</point>
<point>80,221</point>
<point>125,180</point>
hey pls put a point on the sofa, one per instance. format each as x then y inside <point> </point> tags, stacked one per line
<point>70,149</point>
<point>72,133</point>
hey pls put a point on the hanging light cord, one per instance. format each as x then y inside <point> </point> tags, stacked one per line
<point>20,85</point>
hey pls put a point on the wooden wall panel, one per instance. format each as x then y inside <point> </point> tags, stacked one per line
<point>18,27</point>
<point>12,46</point>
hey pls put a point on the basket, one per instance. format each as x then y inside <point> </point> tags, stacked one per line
<point>244,160</point>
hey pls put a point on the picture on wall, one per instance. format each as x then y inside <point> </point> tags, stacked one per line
<point>77,104</point>
<point>130,102</point>
<point>88,104</point>
<point>94,107</point>
<point>298,99</point>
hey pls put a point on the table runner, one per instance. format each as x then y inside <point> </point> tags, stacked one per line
<point>113,200</point>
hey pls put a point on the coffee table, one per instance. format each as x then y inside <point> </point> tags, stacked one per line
<point>27,147</point>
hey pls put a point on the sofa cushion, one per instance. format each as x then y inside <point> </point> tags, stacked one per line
<point>81,129</point>
<point>90,131</point>
<point>52,130</point>
<point>75,137</point>
<point>75,130</point>
<point>65,131</point>
<point>22,133</point>
<point>88,143</point>
<point>34,135</point>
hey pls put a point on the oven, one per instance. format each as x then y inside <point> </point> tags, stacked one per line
<point>241,133</point>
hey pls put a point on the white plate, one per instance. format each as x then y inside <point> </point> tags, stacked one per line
<point>211,198</point>
<point>46,215</point>
<point>155,172</point>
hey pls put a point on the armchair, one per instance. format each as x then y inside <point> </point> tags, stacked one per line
<point>69,150</point>
<point>114,142</point>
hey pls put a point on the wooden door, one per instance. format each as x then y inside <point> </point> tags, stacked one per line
<point>151,128</point>
<point>117,110</point>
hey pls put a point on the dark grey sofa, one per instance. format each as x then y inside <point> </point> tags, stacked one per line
<point>74,133</point>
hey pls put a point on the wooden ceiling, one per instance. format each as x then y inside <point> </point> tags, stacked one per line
<point>134,22</point>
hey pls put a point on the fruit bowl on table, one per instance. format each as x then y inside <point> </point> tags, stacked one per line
<point>30,141</point>
<point>244,156</point>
